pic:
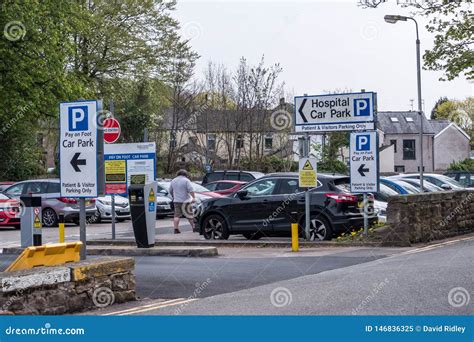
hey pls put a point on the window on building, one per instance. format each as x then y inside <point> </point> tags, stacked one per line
<point>394,143</point>
<point>399,168</point>
<point>240,141</point>
<point>211,142</point>
<point>268,142</point>
<point>173,143</point>
<point>409,150</point>
<point>394,119</point>
<point>409,119</point>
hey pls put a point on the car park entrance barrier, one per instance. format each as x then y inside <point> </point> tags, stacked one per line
<point>47,255</point>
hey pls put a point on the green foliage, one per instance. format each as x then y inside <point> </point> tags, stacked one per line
<point>268,164</point>
<point>434,112</point>
<point>463,165</point>
<point>58,51</point>
<point>330,161</point>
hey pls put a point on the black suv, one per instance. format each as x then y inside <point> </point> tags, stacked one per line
<point>268,206</point>
<point>244,176</point>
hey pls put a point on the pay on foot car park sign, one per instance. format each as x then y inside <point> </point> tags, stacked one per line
<point>364,162</point>
<point>78,148</point>
<point>335,112</point>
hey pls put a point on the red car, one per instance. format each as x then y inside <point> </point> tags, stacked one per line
<point>224,187</point>
<point>9,212</point>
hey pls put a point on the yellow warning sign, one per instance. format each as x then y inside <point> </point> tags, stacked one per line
<point>307,173</point>
<point>151,196</point>
<point>37,222</point>
<point>307,166</point>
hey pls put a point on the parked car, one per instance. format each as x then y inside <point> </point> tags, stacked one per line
<point>381,199</point>
<point>401,187</point>
<point>104,209</point>
<point>51,201</point>
<point>465,178</point>
<point>4,185</point>
<point>164,204</point>
<point>9,212</point>
<point>427,186</point>
<point>201,192</point>
<point>444,182</point>
<point>236,175</point>
<point>267,207</point>
<point>225,187</point>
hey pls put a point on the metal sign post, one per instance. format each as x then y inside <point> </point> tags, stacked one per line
<point>113,216</point>
<point>307,211</point>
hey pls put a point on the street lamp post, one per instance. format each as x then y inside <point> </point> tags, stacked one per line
<point>392,19</point>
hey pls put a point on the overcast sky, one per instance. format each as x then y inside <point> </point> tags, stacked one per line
<point>321,45</point>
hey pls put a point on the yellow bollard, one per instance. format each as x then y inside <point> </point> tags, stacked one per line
<point>294,237</point>
<point>61,228</point>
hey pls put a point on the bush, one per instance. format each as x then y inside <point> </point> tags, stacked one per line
<point>463,165</point>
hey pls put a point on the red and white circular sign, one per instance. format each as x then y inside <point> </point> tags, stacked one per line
<point>111,130</point>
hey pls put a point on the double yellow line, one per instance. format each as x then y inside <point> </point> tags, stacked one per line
<point>150,307</point>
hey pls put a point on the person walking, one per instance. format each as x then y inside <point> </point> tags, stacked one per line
<point>182,192</point>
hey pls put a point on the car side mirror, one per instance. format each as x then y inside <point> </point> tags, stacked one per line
<point>242,194</point>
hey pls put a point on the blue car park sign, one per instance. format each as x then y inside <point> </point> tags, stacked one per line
<point>335,112</point>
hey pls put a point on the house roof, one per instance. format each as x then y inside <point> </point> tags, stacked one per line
<point>403,123</point>
<point>440,126</point>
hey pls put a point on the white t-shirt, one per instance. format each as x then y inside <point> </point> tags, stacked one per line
<point>180,189</point>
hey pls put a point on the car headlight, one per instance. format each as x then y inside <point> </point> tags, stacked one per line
<point>104,202</point>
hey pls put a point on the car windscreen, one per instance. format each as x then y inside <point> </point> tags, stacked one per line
<point>450,181</point>
<point>343,184</point>
<point>385,193</point>
<point>407,186</point>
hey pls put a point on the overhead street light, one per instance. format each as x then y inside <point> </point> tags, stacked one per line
<point>392,19</point>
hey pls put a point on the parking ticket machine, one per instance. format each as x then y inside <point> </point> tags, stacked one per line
<point>143,211</point>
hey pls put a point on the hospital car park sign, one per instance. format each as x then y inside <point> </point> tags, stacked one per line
<point>335,112</point>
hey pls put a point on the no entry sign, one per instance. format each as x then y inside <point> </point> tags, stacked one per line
<point>111,130</point>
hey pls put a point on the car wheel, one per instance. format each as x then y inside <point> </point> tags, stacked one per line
<point>121,220</point>
<point>77,222</point>
<point>253,236</point>
<point>215,228</point>
<point>320,229</point>
<point>50,219</point>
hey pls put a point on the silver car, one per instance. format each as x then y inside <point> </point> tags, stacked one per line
<point>52,203</point>
<point>104,208</point>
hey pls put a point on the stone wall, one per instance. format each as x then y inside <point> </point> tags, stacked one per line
<point>429,216</point>
<point>73,287</point>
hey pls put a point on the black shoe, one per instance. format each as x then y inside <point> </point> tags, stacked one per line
<point>176,231</point>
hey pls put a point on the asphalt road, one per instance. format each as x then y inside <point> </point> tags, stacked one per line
<point>431,281</point>
<point>173,277</point>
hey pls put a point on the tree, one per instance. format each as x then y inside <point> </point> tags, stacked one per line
<point>451,22</point>
<point>434,111</point>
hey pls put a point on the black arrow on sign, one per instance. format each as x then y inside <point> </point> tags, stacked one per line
<point>362,170</point>
<point>301,110</point>
<point>75,162</point>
